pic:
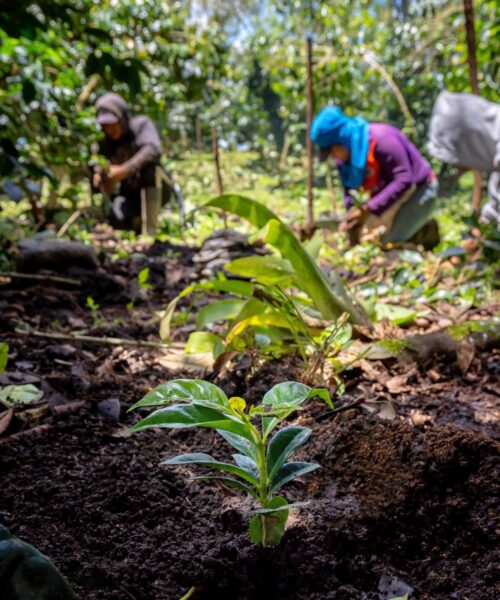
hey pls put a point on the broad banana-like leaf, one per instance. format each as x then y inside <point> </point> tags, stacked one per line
<point>238,288</point>
<point>267,270</point>
<point>222,310</point>
<point>202,342</point>
<point>331,302</point>
<point>275,319</point>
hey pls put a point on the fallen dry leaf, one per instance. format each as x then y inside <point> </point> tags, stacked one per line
<point>398,383</point>
<point>5,419</point>
<point>465,355</point>
<point>420,418</point>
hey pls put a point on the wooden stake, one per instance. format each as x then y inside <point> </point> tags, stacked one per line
<point>329,187</point>
<point>218,176</point>
<point>309,145</point>
<point>474,84</point>
<point>199,139</point>
<point>215,152</point>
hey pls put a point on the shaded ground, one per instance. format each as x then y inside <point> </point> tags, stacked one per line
<point>407,504</point>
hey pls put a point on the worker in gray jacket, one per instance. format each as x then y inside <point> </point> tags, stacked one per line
<point>133,148</point>
<point>465,131</point>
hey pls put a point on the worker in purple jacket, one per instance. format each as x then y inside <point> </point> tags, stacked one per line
<point>380,160</point>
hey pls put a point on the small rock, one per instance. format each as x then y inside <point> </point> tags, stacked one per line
<point>61,350</point>
<point>109,409</point>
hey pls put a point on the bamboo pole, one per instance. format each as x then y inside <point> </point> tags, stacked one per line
<point>309,144</point>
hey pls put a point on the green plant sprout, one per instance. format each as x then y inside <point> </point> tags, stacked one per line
<point>4,356</point>
<point>92,305</point>
<point>142,284</point>
<point>262,464</point>
<point>143,279</point>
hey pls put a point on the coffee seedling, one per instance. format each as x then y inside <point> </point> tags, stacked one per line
<point>262,464</point>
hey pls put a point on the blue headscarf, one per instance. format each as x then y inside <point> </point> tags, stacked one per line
<point>331,127</point>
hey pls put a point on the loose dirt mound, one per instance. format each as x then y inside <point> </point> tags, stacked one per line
<point>417,505</point>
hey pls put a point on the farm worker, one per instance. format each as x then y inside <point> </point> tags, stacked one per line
<point>379,159</point>
<point>465,131</point>
<point>133,148</point>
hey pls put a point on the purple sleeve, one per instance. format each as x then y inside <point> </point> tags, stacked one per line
<point>347,199</point>
<point>394,161</point>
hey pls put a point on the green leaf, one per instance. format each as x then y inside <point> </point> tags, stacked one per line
<point>238,288</point>
<point>20,395</point>
<point>270,318</point>
<point>283,445</point>
<point>293,393</point>
<point>290,471</point>
<point>4,356</point>
<point>264,511</point>
<point>268,528</point>
<point>230,483</point>
<point>267,270</point>
<point>223,310</point>
<point>204,342</point>
<point>330,302</point>
<point>399,315</point>
<point>336,335</point>
<point>186,390</point>
<point>193,415</point>
<point>268,424</point>
<point>243,445</point>
<point>206,460</point>
<point>254,212</point>
<point>143,278</point>
<point>247,464</point>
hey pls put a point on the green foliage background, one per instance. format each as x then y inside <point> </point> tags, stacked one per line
<point>237,65</point>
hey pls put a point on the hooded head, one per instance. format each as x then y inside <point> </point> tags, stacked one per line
<point>113,115</point>
<point>331,128</point>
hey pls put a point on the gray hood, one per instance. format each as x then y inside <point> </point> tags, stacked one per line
<point>115,104</point>
<point>465,131</point>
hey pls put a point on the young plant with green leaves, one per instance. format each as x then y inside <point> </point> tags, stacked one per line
<point>262,466</point>
<point>281,309</point>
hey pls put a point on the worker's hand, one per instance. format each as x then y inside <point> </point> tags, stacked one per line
<point>355,216</point>
<point>96,180</point>
<point>116,173</point>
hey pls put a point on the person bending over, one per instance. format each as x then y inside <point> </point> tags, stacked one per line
<point>465,131</point>
<point>379,159</point>
<point>133,148</point>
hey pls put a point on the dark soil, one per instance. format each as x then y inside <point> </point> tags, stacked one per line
<point>399,505</point>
